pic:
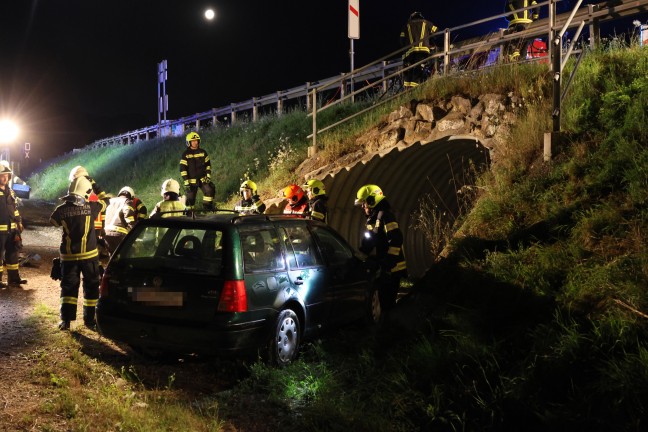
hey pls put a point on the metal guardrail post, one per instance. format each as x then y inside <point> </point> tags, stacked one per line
<point>342,86</point>
<point>308,100</point>
<point>594,28</point>
<point>446,51</point>
<point>384,81</point>
<point>313,149</point>
<point>232,114</point>
<point>551,138</point>
<point>279,104</point>
<point>214,118</point>
<point>255,109</point>
<point>197,124</point>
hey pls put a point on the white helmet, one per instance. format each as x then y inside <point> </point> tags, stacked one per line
<point>5,168</point>
<point>79,187</point>
<point>170,185</point>
<point>78,171</point>
<point>127,190</point>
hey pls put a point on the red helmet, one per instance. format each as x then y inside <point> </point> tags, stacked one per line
<point>293,193</point>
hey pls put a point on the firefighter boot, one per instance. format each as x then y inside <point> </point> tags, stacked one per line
<point>89,317</point>
<point>64,325</point>
<point>14,279</point>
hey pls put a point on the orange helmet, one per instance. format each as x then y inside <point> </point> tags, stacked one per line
<point>293,193</point>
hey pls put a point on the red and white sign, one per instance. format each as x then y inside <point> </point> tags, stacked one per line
<point>354,19</point>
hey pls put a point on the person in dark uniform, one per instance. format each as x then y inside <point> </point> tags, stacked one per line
<point>250,202</point>
<point>417,34</point>
<point>10,229</point>
<point>385,239</point>
<point>78,250</point>
<point>195,169</point>
<point>317,200</point>
<point>519,21</point>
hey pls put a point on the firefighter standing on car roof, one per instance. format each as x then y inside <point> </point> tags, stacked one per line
<point>418,35</point>
<point>297,201</point>
<point>195,169</point>
<point>317,200</point>
<point>519,21</point>
<point>10,228</point>
<point>120,217</point>
<point>78,250</point>
<point>250,202</point>
<point>385,237</point>
<point>171,205</point>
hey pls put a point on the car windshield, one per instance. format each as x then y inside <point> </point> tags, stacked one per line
<point>196,250</point>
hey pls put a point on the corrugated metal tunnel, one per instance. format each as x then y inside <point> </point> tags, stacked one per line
<point>438,169</point>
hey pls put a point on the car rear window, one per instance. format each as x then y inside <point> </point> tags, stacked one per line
<point>261,250</point>
<point>185,249</point>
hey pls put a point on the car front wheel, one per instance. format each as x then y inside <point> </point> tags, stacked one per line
<point>284,346</point>
<point>374,314</point>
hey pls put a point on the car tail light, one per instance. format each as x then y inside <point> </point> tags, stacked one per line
<point>233,298</point>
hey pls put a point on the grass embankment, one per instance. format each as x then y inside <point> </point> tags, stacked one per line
<point>535,320</point>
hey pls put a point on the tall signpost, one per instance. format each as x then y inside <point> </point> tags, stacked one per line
<point>163,100</point>
<point>354,32</point>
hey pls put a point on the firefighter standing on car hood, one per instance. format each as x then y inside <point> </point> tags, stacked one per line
<point>10,229</point>
<point>250,202</point>
<point>317,200</point>
<point>78,250</point>
<point>385,237</point>
<point>195,169</point>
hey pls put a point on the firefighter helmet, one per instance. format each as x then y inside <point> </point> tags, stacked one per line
<point>5,168</point>
<point>249,184</point>
<point>127,190</point>
<point>78,171</point>
<point>316,186</point>
<point>170,185</point>
<point>293,193</point>
<point>416,16</point>
<point>370,194</point>
<point>192,136</point>
<point>80,187</point>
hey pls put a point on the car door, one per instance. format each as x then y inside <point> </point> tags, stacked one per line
<point>307,273</point>
<point>347,274</point>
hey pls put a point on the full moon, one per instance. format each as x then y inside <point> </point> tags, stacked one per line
<point>210,14</point>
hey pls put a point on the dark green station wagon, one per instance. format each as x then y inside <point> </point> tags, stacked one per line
<point>223,283</point>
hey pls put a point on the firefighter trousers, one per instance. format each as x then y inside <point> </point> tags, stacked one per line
<point>71,279</point>
<point>209,191</point>
<point>9,256</point>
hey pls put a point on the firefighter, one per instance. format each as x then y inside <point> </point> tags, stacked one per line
<point>385,237</point>
<point>100,231</point>
<point>10,229</point>
<point>250,202</point>
<point>120,217</point>
<point>417,34</point>
<point>297,201</point>
<point>78,250</point>
<point>141,212</point>
<point>519,21</point>
<point>171,202</point>
<point>317,200</point>
<point>195,169</point>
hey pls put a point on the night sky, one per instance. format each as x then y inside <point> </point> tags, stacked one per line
<point>73,71</point>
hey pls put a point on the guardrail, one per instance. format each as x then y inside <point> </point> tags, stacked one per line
<point>380,72</point>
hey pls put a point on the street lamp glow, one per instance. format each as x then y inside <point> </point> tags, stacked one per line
<point>210,14</point>
<point>8,131</point>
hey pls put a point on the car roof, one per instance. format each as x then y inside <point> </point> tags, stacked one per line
<point>223,220</point>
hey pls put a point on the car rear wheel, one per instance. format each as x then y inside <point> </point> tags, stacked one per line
<point>284,346</point>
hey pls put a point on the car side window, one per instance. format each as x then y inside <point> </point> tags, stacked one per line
<point>335,250</point>
<point>261,250</point>
<point>300,240</point>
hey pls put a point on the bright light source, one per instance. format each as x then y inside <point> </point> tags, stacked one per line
<point>8,131</point>
<point>210,14</point>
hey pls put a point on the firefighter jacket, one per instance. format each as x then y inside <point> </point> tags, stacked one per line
<point>195,167</point>
<point>79,241</point>
<point>141,212</point>
<point>168,206</point>
<point>300,208</point>
<point>384,235</point>
<point>100,221</point>
<point>524,17</point>
<point>254,205</point>
<point>319,208</point>
<point>120,216</point>
<point>419,33</point>
<point>9,215</point>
